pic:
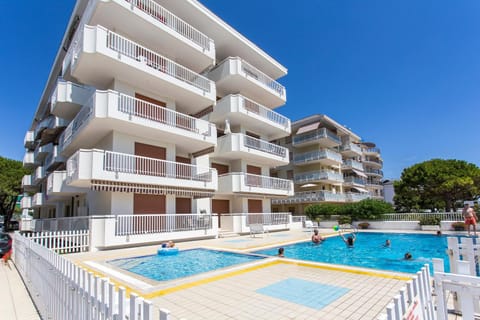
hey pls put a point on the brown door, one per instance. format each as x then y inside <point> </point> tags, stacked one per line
<point>146,110</point>
<point>221,168</point>
<point>255,206</point>
<point>219,207</point>
<point>183,205</point>
<point>148,166</point>
<point>183,172</point>
<point>149,204</point>
<point>254,179</point>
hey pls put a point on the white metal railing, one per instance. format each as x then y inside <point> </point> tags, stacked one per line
<point>274,218</point>
<point>68,241</point>
<point>317,155</point>
<point>254,180</point>
<point>160,223</point>
<point>62,290</point>
<point>321,133</point>
<point>252,72</point>
<point>150,111</point>
<point>311,196</point>
<point>131,49</point>
<point>127,163</point>
<point>317,176</point>
<point>265,112</point>
<point>351,147</point>
<point>61,224</point>
<point>417,216</point>
<point>264,146</point>
<point>173,22</point>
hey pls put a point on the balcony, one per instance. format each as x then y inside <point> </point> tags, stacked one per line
<point>319,176</point>
<point>57,186</point>
<point>311,196</point>
<point>68,98</point>
<point>42,151</point>
<point>29,140</point>
<point>352,164</point>
<point>241,182</point>
<point>234,75</point>
<point>374,172</point>
<point>39,175</point>
<point>26,202</point>
<point>324,156</point>
<point>38,199</point>
<point>354,181</point>
<point>374,184</point>
<point>322,136</point>
<point>355,197</point>
<point>372,151</point>
<point>241,111</point>
<point>88,165</point>
<point>54,159</point>
<point>28,184</point>
<point>108,110</point>
<point>351,150</point>
<point>241,146</point>
<point>29,161</point>
<point>148,22</point>
<point>100,55</point>
<point>48,129</point>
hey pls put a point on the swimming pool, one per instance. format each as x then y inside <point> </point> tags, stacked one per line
<point>369,251</point>
<point>185,263</point>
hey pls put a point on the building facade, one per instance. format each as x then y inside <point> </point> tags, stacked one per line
<point>155,107</point>
<point>329,164</point>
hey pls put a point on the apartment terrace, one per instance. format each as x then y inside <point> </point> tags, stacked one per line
<point>241,182</point>
<point>114,171</point>
<point>350,149</point>
<point>312,196</point>
<point>374,172</point>
<point>68,98</point>
<point>323,156</point>
<point>106,110</point>
<point>100,55</point>
<point>236,75</point>
<point>241,146</point>
<point>239,109</point>
<point>319,176</point>
<point>321,136</point>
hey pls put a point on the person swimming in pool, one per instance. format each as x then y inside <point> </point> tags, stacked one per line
<point>281,252</point>
<point>387,243</point>
<point>408,256</point>
<point>316,238</point>
<point>350,240</point>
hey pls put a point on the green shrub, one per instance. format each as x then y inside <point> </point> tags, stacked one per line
<point>431,221</point>
<point>458,226</point>
<point>344,220</point>
<point>321,211</point>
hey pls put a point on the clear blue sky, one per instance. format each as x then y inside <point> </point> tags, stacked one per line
<point>404,74</point>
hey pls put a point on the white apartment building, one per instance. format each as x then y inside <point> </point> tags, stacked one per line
<point>155,107</point>
<point>329,163</point>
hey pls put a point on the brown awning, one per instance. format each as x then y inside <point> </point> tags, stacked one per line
<point>359,173</point>
<point>308,127</point>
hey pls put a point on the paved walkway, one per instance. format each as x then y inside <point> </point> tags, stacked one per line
<point>15,302</point>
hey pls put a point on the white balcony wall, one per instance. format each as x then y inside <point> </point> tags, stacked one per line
<point>352,164</point>
<point>56,184</point>
<point>325,156</point>
<point>87,165</point>
<point>27,181</point>
<point>29,160</point>
<point>29,140</point>
<point>67,99</point>
<point>234,75</point>
<point>240,146</point>
<point>148,22</point>
<point>41,152</point>
<point>54,158</point>
<point>240,182</point>
<point>241,111</point>
<point>39,174</point>
<point>111,110</point>
<point>314,176</point>
<point>38,199</point>
<point>26,202</point>
<point>101,55</point>
<point>351,149</point>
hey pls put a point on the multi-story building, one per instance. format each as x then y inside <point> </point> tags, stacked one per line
<point>127,122</point>
<point>329,163</point>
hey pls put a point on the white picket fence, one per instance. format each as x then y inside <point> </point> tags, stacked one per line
<point>462,284</point>
<point>62,290</point>
<point>62,241</point>
<point>414,301</point>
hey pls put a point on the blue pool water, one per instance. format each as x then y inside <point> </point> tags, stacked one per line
<point>184,264</point>
<point>369,251</point>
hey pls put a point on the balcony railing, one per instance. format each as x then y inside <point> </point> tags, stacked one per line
<point>265,112</point>
<point>374,171</point>
<point>173,22</point>
<point>374,183</point>
<point>353,164</point>
<point>351,147</point>
<point>270,219</point>
<point>318,176</point>
<point>354,197</point>
<point>266,182</point>
<point>130,49</point>
<point>160,223</point>
<point>321,133</point>
<point>371,159</point>
<point>252,72</point>
<point>74,127</point>
<point>264,146</point>
<point>126,163</point>
<point>311,196</point>
<point>318,155</point>
<point>372,150</point>
<point>354,180</point>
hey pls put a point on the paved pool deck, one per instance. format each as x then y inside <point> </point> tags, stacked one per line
<point>275,288</point>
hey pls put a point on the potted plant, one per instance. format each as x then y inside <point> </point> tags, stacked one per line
<point>458,226</point>
<point>429,223</point>
<point>364,225</point>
